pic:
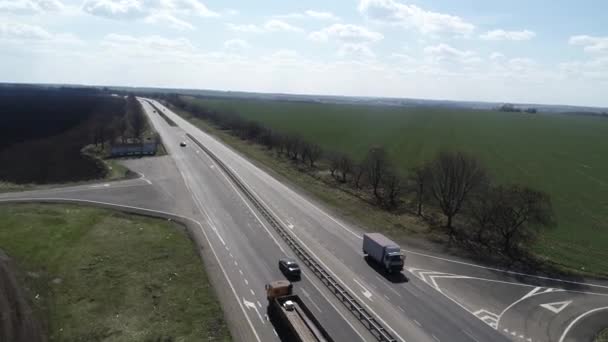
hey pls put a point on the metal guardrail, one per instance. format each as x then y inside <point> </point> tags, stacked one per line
<point>368,321</point>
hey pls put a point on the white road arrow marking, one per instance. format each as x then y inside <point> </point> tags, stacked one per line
<point>557,306</point>
<point>365,292</point>
<point>251,305</point>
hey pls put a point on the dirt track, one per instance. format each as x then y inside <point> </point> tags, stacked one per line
<point>17,323</point>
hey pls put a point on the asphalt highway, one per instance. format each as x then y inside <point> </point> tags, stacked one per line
<point>437,298</point>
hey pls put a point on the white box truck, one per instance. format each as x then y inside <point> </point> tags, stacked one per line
<point>383,251</point>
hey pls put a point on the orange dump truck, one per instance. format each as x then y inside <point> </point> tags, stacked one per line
<point>292,320</point>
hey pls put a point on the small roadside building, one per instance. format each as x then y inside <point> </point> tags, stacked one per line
<point>133,149</point>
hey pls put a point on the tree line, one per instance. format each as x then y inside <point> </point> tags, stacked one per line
<point>479,213</point>
<point>126,128</point>
<point>43,132</point>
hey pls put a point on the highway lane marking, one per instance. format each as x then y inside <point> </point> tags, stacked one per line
<point>418,323</point>
<point>466,332</point>
<point>253,293</point>
<point>335,308</point>
<point>354,294</point>
<point>448,297</point>
<point>257,337</point>
<point>435,338</point>
<point>251,305</point>
<point>388,299</point>
<point>503,271</point>
<point>331,271</point>
<point>241,272</point>
<point>487,317</point>
<point>290,225</point>
<point>400,308</point>
<point>231,255</point>
<point>347,287</point>
<point>535,292</point>
<point>310,298</point>
<point>246,281</point>
<point>253,212</point>
<point>236,264</point>
<point>259,304</point>
<point>365,291</point>
<point>561,339</point>
<point>556,307</point>
<point>199,204</point>
<point>387,286</point>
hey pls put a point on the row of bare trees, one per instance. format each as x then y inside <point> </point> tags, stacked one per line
<point>489,217</point>
<point>124,128</point>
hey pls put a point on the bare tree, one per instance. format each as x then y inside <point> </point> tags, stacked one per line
<point>454,175</point>
<point>334,162</point>
<point>345,165</point>
<point>420,177</point>
<point>313,154</point>
<point>358,173</point>
<point>392,186</point>
<point>516,214</point>
<point>136,117</point>
<point>376,166</point>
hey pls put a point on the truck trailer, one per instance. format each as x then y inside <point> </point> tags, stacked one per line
<point>292,320</point>
<point>383,251</point>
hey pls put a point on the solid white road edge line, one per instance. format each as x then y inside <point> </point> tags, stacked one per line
<point>561,339</point>
<point>158,212</point>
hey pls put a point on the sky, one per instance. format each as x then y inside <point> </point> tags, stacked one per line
<point>522,51</point>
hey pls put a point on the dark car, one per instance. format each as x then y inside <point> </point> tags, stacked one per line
<point>290,268</point>
<point>182,144</point>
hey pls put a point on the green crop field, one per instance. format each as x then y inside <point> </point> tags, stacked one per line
<point>563,155</point>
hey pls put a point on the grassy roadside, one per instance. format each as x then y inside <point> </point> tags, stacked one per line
<point>402,226</point>
<point>602,336</point>
<point>95,274</point>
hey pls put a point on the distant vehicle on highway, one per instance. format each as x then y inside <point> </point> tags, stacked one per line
<point>290,268</point>
<point>292,320</point>
<point>383,251</point>
<point>182,144</point>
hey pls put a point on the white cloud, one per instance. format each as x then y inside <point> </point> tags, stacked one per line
<point>356,51</point>
<point>148,43</point>
<point>412,16</point>
<point>246,28</point>
<point>272,25</point>
<point>320,15</point>
<point>591,44</point>
<point>236,44</point>
<point>285,54</point>
<point>444,52</point>
<point>596,69</point>
<point>30,6</point>
<point>508,35</point>
<point>521,65</point>
<point>187,6</point>
<point>115,9</point>
<point>170,20</point>
<point>347,33</point>
<point>496,56</point>
<point>275,25</point>
<point>135,9</point>
<point>17,31</point>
